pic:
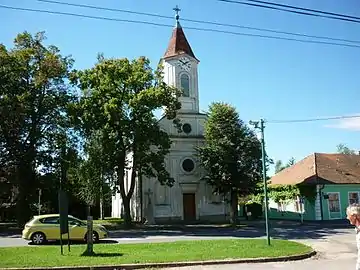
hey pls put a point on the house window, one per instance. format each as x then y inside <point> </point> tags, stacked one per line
<point>185,84</point>
<point>334,207</point>
<point>334,203</point>
<point>353,197</point>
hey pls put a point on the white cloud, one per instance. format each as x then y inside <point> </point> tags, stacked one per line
<point>349,124</point>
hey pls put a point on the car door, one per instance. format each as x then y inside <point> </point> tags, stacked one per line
<point>50,226</point>
<point>77,229</point>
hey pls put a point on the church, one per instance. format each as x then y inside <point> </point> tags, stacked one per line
<point>190,199</point>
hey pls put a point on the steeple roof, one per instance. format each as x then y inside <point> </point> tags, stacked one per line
<point>178,43</point>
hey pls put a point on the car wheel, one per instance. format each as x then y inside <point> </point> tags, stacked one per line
<point>38,238</point>
<point>95,237</point>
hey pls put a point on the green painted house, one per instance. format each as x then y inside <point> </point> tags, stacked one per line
<point>335,179</point>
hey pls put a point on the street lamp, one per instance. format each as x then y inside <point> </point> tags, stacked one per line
<point>263,156</point>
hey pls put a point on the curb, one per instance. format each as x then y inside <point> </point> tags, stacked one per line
<point>176,264</point>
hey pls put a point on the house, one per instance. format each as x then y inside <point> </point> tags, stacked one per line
<point>335,179</point>
<point>191,199</point>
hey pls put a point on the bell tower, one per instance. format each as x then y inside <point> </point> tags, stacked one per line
<point>181,68</point>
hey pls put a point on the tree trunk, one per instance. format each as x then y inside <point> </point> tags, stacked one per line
<point>234,208</point>
<point>101,203</point>
<point>126,198</point>
<point>127,212</point>
<point>89,240</point>
<point>141,200</point>
<point>23,211</point>
<point>25,186</point>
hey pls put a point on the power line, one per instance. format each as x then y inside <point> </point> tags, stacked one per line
<point>305,9</point>
<point>84,16</point>
<point>196,21</point>
<point>190,28</point>
<point>357,20</point>
<point>312,119</point>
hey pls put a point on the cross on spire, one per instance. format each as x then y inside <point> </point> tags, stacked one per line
<point>177,10</point>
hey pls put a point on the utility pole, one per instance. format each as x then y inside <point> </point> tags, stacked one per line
<point>39,202</point>
<point>263,156</point>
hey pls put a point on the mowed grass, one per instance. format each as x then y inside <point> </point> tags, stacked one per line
<point>116,254</point>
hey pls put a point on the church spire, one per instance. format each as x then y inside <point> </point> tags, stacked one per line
<point>177,10</point>
<point>178,43</point>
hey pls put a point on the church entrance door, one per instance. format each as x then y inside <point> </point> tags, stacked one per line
<point>189,206</point>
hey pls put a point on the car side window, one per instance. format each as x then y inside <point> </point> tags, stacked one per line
<point>50,220</point>
<point>73,221</point>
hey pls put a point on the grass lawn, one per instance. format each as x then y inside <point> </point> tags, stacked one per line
<point>111,254</point>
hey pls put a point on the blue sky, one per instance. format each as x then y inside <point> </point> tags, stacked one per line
<point>263,78</point>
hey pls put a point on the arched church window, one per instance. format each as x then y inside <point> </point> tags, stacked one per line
<point>185,84</point>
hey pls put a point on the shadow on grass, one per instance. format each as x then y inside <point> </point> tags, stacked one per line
<point>57,243</point>
<point>103,255</point>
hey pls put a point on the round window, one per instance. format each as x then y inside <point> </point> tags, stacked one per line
<point>188,165</point>
<point>186,128</point>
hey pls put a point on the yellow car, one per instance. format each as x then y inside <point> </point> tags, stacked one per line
<point>47,227</point>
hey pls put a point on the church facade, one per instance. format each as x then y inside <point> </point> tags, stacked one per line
<point>190,199</point>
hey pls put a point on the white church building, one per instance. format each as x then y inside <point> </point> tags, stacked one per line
<point>190,199</point>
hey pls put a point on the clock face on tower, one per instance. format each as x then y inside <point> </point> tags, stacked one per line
<point>184,63</point>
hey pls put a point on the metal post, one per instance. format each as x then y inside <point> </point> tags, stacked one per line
<point>265,180</point>
<point>39,202</point>
<point>263,157</point>
<point>90,249</point>
<point>60,189</point>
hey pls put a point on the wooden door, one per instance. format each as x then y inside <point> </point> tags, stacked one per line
<point>189,206</point>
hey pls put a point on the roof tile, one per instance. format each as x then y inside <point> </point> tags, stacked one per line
<point>178,44</point>
<point>327,168</point>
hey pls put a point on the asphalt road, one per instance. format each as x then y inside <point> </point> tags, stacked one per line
<point>135,236</point>
<point>336,246</point>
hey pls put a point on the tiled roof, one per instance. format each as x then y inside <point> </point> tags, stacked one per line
<point>178,44</point>
<point>323,169</point>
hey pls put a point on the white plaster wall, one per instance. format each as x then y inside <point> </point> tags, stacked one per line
<point>289,206</point>
<point>197,122</point>
<point>116,203</point>
<point>172,73</point>
<point>181,148</point>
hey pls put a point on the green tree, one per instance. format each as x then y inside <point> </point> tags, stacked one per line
<point>343,149</point>
<point>33,111</point>
<point>119,98</point>
<point>89,173</point>
<point>231,155</point>
<point>279,166</point>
